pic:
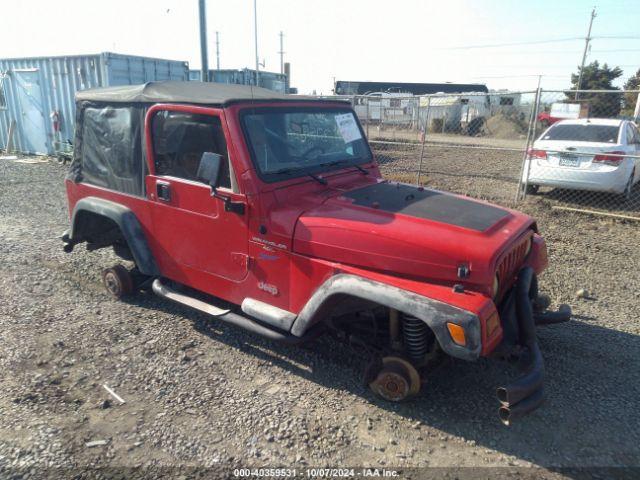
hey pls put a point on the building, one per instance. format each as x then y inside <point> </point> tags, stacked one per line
<point>246,76</point>
<point>448,111</point>
<point>347,87</point>
<point>37,94</point>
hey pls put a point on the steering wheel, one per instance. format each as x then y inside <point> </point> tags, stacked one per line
<point>315,148</point>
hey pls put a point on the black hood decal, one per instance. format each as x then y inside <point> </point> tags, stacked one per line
<point>428,204</point>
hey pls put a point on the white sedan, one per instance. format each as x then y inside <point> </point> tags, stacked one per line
<point>586,154</point>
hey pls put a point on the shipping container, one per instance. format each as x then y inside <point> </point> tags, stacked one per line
<point>246,76</point>
<point>38,93</point>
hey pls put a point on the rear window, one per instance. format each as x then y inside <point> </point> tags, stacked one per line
<point>583,133</point>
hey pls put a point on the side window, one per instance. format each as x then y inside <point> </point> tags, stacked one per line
<point>111,148</point>
<point>180,139</point>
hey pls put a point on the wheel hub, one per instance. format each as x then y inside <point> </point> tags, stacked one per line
<point>112,284</point>
<point>118,281</point>
<point>396,380</point>
<point>391,386</point>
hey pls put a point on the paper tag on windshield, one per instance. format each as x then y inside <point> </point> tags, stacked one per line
<point>348,127</point>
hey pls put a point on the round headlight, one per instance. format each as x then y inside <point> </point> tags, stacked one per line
<point>496,286</point>
<point>529,245</point>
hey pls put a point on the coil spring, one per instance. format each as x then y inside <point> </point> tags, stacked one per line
<point>415,334</point>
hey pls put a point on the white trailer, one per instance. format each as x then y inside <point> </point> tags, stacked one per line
<point>385,108</point>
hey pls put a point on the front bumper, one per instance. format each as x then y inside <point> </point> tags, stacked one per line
<point>519,317</point>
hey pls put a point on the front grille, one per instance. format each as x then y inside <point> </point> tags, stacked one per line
<point>512,262</point>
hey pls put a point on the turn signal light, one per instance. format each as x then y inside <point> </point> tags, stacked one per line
<point>457,333</point>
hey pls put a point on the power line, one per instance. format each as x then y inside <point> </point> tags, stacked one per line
<point>540,42</point>
<point>615,50</point>
<point>521,76</point>
<point>564,52</point>
<point>513,44</point>
<point>545,65</point>
<point>618,37</point>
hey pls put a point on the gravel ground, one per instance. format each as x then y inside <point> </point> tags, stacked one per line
<point>202,394</point>
<point>490,174</point>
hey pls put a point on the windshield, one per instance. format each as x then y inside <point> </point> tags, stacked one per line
<point>290,142</point>
<point>583,133</point>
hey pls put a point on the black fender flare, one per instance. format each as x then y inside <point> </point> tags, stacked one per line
<point>433,312</point>
<point>129,226</point>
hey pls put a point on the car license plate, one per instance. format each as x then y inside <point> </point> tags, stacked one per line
<point>569,161</point>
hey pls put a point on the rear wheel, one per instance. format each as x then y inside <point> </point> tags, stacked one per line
<point>629,187</point>
<point>118,281</point>
<point>532,189</point>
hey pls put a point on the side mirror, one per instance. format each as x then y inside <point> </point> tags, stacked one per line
<point>209,173</point>
<point>209,169</point>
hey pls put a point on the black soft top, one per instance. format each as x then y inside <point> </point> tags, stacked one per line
<point>187,92</point>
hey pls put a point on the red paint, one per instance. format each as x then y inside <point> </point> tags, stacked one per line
<point>312,233</point>
<point>546,119</point>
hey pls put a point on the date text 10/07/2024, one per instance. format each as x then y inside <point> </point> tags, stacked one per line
<point>315,472</point>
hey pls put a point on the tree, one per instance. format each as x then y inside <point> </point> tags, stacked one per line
<point>630,99</point>
<point>595,77</point>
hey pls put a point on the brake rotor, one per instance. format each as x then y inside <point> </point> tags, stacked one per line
<point>396,380</point>
<point>117,281</point>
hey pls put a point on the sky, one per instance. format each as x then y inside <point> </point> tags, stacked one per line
<point>402,40</point>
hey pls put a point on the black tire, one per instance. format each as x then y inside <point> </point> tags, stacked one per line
<point>118,281</point>
<point>533,189</point>
<point>628,189</point>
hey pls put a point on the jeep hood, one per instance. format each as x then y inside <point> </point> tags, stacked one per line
<point>410,231</point>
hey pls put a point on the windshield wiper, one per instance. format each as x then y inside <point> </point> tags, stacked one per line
<point>318,179</point>
<point>350,164</point>
<point>286,171</point>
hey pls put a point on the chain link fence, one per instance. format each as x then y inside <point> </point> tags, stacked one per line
<point>504,146</point>
<point>470,143</point>
<point>584,152</point>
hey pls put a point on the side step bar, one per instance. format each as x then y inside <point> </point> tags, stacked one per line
<point>165,291</point>
<point>228,316</point>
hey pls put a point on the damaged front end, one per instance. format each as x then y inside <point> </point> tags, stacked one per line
<point>520,312</point>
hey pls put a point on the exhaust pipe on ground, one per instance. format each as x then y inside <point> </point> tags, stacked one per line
<point>525,394</point>
<point>527,384</point>
<point>548,318</point>
<point>509,413</point>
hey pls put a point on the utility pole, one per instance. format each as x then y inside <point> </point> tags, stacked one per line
<point>584,54</point>
<point>203,41</point>
<point>281,52</point>
<point>217,50</point>
<point>255,34</point>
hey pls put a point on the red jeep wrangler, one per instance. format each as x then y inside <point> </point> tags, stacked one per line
<point>269,212</point>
